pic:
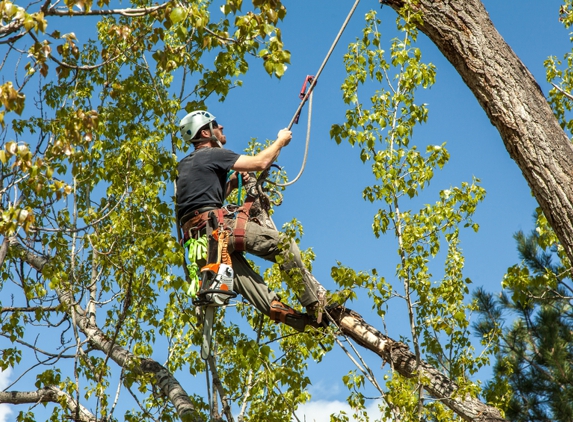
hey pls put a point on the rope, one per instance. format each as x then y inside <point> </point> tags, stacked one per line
<point>224,256</point>
<point>307,143</point>
<point>239,184</point>
<point>308,95</point>
<point>313,83</point>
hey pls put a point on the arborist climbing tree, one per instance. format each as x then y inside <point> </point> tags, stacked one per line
<point>94,272</point>
<point>202,189</point>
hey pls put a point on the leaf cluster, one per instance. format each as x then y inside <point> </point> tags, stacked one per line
<point>383,130</point>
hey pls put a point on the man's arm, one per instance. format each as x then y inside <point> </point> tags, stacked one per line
<point>266,157</point>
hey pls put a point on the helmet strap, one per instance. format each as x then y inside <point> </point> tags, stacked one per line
<point>212,138</point>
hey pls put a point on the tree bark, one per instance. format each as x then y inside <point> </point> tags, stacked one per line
<point>4,250</point>
<point>403,361</point>
<point>511,98</point>
<point>47,395</point>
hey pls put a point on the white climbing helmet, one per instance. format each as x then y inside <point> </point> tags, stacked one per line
<point>193,122</point>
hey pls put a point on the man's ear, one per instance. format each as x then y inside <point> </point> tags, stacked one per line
<point>205,133</point>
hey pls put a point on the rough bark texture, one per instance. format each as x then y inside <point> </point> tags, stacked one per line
<point>511,98</point>
<point>403,361</point>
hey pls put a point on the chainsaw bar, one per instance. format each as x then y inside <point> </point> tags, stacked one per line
<point>208,319</point>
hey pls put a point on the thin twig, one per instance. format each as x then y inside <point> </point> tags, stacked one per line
<point>135,12</point>
<point>563,92</point>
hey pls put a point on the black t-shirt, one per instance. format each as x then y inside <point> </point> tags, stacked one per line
<point>201,179</point>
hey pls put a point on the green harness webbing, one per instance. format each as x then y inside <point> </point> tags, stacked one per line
<point>197,250</point>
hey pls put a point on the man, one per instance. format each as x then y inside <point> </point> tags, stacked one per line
<point>202,188</point>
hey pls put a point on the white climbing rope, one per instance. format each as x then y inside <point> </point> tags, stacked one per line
<point>308,94</point>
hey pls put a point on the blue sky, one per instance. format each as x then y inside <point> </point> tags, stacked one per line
<point>327,199</point>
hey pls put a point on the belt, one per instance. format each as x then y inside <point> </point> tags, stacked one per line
<point>195,213</point>
<point>199,218</point>
<point>196,223</point>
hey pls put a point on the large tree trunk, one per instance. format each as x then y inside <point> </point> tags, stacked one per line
<point>511,98</point>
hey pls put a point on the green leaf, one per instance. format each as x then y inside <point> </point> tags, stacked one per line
<point>177,15</point>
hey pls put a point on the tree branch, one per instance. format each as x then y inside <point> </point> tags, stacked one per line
<point>135,12</point>
<point>50,394</point>
<point>226,407</point>
<point>4,250</point>
<point>166,382</point>
<point>18,24</point>
<point>563,92</point>
<point>403,361</point>
<point>34,260</point>
<point>12,27</point>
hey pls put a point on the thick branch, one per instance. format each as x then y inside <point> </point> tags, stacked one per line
<point>34,260</point>
<point>403,361</point>
<point>49,394</point>
<point>511,98</point>
<point>169,385</point>
<point>166,382</point>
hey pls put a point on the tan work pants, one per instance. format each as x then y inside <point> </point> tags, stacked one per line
<point>264,243</point>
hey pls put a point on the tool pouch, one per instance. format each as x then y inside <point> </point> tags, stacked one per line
<point>216,277</point>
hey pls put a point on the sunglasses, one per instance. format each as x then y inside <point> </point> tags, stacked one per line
<point>215,124</point>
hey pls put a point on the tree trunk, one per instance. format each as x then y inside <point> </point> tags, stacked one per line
<point>511,98</point>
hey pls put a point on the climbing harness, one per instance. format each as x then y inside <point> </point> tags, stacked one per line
<point>242,212</point>
<point>216,287</point>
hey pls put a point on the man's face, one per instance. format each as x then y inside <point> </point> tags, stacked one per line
<point>217,131</point>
